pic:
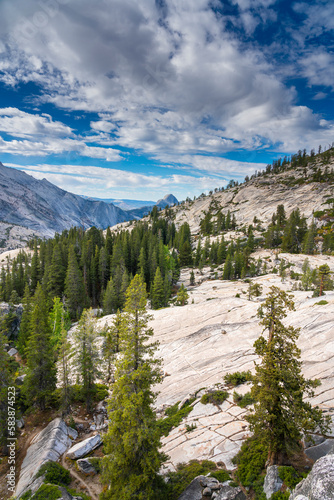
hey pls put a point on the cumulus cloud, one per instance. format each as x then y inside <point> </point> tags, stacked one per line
<point>166,80</point>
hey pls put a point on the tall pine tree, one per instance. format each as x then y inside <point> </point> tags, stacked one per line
<point>133,460</point>
<point>40,381</point>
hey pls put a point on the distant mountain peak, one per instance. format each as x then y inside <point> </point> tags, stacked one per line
<point>168,199</point>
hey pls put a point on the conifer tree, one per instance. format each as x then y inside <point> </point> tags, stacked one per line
<point>110,298</point>
<point>59,319</point>
<point>185,254</point>
<point>6,380</point>
<point>112,343</point>
<point>158,292</point>
<point>228,268</point>
<point>56,275</point>
<point>192,278</point>
<point>86,356</point>
<point>64,355</point>
<point>133,460</point>
<point>74,286</point>
<point>40,381</point>
<point>35,269</point>
<point>280,413</point>
<point>324,273</point>
<point>182,296</point>
<point>24,332</point>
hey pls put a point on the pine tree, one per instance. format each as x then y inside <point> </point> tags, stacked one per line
<point>185,254</point>
<point>158,292</point>
<point>324,274</point>
<point>228,269</point>
<point>40,381</point>
<point>74,286</point>
<point>133,460</point>
<point>86,356</point>
<point>112,343</point>
<point>6,381</point>
<point>55,285</point>
<point>24,332</point>
<point>64,370</point>
<point>59,319</point>
<point>192,278</point>
<point>35,269</point>
<point>280,413</point>
<point>110,298</point>
<point>182,296</point>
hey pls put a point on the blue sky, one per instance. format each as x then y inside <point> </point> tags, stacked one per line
<point>127,99</point>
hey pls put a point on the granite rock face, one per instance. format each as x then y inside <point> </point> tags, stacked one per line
<point>47,445</point>
<point>319,484</point>
<point>194,490</point>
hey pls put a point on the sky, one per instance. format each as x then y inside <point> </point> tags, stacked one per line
<point>128,99</point>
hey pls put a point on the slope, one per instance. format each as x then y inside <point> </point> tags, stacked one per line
<point>45,208</point>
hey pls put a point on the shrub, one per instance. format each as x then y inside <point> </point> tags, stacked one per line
<point>221,475</point>
<point>191,427</point>
<point>214,397</point>
<point>26,495</point>
<point>243,401</point>
<point>55,473</point>
<point>174,417</point>
<point>279,495</point>
<point>290,476</point>
<point>101,392</point>
<point>321,303</point>
<point>251,461</point>
<point>237,378</point>
<point>96,463</point>
<point>47,492</point>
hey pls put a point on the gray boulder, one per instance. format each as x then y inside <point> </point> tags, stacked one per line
<point>194,490</point>
<point>319,484</point>
<point>85,466</point>
<point>49,444</point>
<point>81,449</point>
<point>320,450</point>
<point>228,492</point>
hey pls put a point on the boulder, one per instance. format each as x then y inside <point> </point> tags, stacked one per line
<point>49,444</point>
<point>86,467</point>
<point>319,484</point>
<point>12,352</point>
<point>84,447</point>
<point>320,450</point>
<point>19,380</point>
<point>194,490</point>
<point>230,493</point>
<point>272,481</point>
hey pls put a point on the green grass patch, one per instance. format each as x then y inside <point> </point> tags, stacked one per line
<point>214,397</point>
<point>55,473</point>
<point>237,378</point>
<point>174,417</point>
<point>321,303</point>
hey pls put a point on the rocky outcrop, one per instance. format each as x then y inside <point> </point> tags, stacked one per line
<point>209,488</point>
<point>49,444</point>
<point>84,447</point>
<point>85,466</point>
<point>272,481</point>
<point>13,325</point>
<point>319,484</point>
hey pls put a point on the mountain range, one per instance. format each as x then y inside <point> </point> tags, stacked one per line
<point>45,208</point>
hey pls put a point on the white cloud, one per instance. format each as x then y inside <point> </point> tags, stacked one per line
<point>21,124</point>
<point>165,82</point>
